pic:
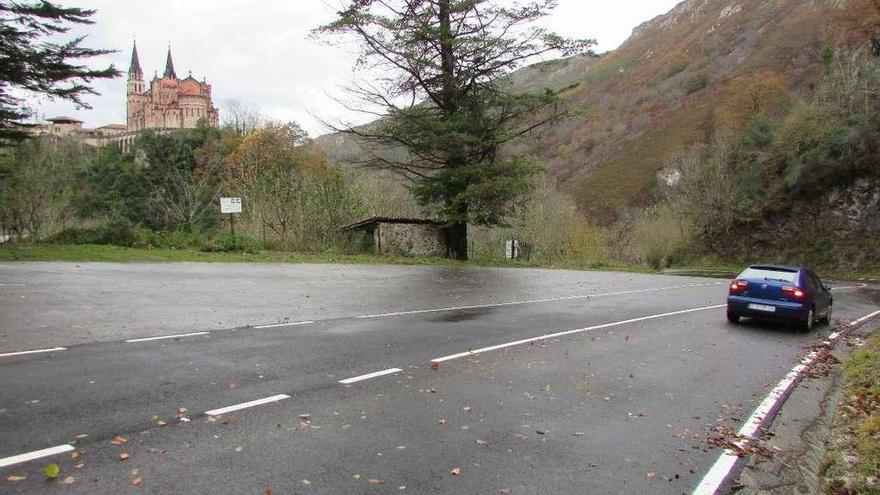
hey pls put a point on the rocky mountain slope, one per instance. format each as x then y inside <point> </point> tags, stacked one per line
<point>680,79</point>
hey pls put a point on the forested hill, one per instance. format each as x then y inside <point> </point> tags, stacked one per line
<point>703,68</point>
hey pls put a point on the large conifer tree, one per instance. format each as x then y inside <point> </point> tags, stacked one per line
<point>444,101</point>
<point>31,59</point>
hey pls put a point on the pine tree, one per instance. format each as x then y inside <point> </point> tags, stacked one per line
<point>31,60</point>
<point>445,103</point>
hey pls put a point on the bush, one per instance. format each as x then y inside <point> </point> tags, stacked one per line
<point>661,237</point>
<point>228,243</point>
<point>697,82</point>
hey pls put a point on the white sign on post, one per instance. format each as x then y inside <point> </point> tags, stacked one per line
<point>230,205</point>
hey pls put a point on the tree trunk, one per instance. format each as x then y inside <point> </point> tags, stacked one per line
<point>456,241</point>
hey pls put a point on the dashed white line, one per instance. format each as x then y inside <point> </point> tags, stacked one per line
<point>288,324</point>
<point>13,285</point>
<point>534,301</point>
<point>163,337</point>
<point>245,405</point>
<point>569,332</point>
<point>723,466</point>
<point>390,371</point>
<point>35,351</point>
<point>37,454</point>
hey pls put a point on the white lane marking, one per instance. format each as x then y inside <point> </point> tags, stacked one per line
<point>863,319</point>
<point>35,351</point>
<point>13,285</point>
<point>725,463</point>
<point>245,405</point>
<point>569,332</point>
<point>37,454</point>
<point>845,287</point>
<point>163,337</point>
<point>290,324</point>
<point>376,374</point>
<point>534,301</point>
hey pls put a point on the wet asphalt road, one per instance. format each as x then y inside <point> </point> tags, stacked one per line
<point>620,409</point>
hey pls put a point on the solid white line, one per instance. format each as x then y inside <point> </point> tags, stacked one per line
<point>291,324</point>
<point>361,378</point>
<point>22,353</point>
<point>245,405</point>
<point>37,454</point>
<point>725,463</point>
<point>569,332</point>
<point>534,301</point>
<point>163,337</point>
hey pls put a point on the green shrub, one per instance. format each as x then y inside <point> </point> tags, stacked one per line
<point>228,243</point>
<point>697,82</point>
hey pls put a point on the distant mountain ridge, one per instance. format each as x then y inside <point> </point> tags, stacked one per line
<point>672,84</point>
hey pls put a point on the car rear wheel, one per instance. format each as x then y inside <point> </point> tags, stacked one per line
<point>826,320</point>
<point>807,325</point>
<point>732,317</point>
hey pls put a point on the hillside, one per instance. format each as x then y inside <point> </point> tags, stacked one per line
<point>678,80</point>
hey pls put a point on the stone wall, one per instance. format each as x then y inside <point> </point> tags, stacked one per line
<point>410,239</point>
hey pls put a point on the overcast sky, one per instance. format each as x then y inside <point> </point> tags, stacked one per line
<point>260,53</point>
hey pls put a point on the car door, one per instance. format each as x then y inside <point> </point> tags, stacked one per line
<point>823,295</point>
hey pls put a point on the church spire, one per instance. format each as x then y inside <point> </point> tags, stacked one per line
<point>169,66</point>
<point>134,69</point>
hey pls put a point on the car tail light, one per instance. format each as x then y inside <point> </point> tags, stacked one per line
<point>738,286</point>
<point>795,292</point>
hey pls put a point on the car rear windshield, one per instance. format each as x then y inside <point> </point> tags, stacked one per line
<point>778,275</point>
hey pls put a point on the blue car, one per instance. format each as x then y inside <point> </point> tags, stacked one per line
<point>788,293</point>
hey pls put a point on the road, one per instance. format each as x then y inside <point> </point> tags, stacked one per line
<point>543,381</point>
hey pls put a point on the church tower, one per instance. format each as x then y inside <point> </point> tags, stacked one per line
<point>136,98</point>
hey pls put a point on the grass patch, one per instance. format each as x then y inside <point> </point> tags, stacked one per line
<point>853,462</point>
<point>118,254</point>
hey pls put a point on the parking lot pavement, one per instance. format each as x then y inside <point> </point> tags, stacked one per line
<point>608,394</point>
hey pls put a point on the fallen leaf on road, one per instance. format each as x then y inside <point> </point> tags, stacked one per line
<point>79,466</point>
<point>626,339</point>
<point>442,421</point>
<point>401,487</point>
<point>306,482</point>
<point>124,455</point>
<point>75,455</point>
<point>181,410</point>
<point>401,447</point>
<point>578,433</point>
<point>238,449</point>
<point>161,423</point>
<point>481,442</point>
<point>435,366</point>
<point>118,440</point>
<point>15,478</point>
<point>456,471</point>
<point>267,491</point>
<point>651,474</point>
<point>357,476</point>
<point>376,481</point>
<point>51,471</point>
<point>67,481</point>
<point>305,417</point>
<point>137,481</point>
<point>466,408</point>
<point>82,435</point>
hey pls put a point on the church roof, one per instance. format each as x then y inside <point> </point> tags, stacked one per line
<point>134,69</point>
<point>64,118</point>
<point>169,66</point>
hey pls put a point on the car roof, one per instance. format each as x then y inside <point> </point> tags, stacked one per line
<point>772,266</point>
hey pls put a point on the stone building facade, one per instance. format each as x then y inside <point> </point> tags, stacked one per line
<point>407,236</point>
<point>169,102</point>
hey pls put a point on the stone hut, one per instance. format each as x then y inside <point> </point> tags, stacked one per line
<point>409,236</point>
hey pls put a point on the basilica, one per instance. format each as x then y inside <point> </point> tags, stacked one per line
<point>169,102</point>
